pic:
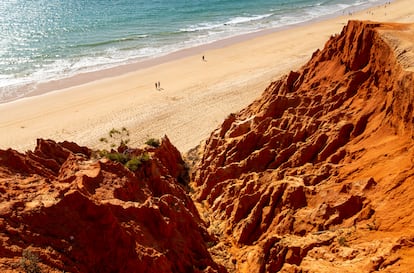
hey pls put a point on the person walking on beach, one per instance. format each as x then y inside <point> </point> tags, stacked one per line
<point>156,86</point>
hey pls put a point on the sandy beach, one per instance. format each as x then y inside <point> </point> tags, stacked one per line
<point>194,96</point>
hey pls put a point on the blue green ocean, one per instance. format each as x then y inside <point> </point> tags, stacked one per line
<point>41,40</point>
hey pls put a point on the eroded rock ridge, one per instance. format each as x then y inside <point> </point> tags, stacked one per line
<point>76,213</point>
<point>303,178</point>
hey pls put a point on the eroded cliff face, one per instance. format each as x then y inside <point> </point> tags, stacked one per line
<point>316,175</point>
<point>80,214</point>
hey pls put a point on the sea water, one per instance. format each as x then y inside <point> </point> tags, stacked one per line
<point>41,40</point>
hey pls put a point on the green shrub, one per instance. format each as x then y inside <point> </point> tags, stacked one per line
<point>117,138</point>
<point>133,164</point>
<point>29,262</point>
<point>125,158</point>
<point>136,161</point>
<point>144,157</point>
<point>103,139</point>
<point>153,142</point>
<point>118,157</point>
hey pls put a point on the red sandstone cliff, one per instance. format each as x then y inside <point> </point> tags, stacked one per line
<point>79,214</point>
<point>317,174</point>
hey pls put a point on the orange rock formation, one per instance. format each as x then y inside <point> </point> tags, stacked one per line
<point>316,175</point>
<point>79,214</point>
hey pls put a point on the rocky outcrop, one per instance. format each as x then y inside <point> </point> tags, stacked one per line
<point>77,213</point>
<point>326,151</point>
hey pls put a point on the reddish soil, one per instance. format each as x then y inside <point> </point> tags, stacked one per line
<point>80,214</point>
<point>316,175</point>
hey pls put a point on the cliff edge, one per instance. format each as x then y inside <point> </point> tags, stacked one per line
<point>316,175</point>
<point>63,210</point>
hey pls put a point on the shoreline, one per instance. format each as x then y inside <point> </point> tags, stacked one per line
<point>81,78</point>
<point>196,96</point>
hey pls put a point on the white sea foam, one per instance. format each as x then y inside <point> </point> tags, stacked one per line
<point>245,19</point>
<point>219,25</point>
<point>201,26</point>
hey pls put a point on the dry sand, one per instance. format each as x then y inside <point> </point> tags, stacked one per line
<point>195,95</point>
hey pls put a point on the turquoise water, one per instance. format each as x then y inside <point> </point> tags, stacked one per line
<point>42,40</point>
